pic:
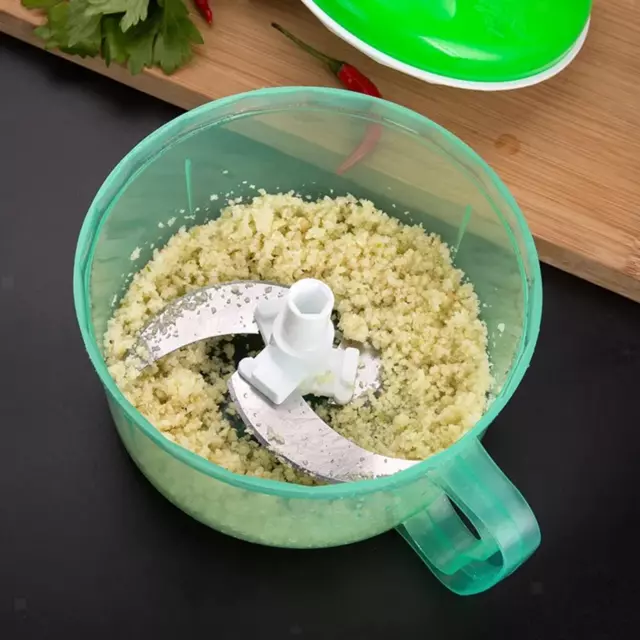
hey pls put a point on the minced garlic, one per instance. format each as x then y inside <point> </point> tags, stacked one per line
<point>395,289</point>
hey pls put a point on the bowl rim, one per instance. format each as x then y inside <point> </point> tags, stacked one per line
<point>172,130</point>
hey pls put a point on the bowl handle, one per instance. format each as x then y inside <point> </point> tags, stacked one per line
<point>506,531</point>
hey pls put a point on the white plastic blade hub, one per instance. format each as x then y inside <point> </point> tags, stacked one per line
<point>298,332</point>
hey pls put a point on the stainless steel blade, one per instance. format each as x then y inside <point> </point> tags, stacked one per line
<point>293,431</point>
<point>219,310</point>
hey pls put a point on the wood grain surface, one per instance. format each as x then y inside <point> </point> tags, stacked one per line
<point>568,149</point>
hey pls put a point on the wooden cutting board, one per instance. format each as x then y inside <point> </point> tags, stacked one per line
<point>568,149</point>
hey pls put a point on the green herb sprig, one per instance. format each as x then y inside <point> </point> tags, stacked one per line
<point>135,33</point>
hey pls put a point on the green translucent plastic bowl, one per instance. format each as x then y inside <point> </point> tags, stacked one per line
<point>294,138</point>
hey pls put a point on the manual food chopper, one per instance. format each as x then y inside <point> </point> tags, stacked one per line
<point>294,138</point>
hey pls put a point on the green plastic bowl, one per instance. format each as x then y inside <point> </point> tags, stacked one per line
<point>471,44</point>
<point>294,138</point>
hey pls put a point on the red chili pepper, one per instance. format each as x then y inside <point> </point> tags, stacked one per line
<point>204,9</point>
<point>368,144</point>
<point>354,80</point>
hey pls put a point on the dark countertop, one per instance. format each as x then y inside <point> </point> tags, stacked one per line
<point>88,549</point>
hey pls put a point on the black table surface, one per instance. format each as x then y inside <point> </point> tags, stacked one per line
<point>88,549</point>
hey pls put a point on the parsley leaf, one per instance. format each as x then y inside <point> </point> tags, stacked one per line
<point>39,4</point>
<point>114,45</point>
<point>83,29</point>
<point>140,40</point>
<point>70,31</point>
<point>134,10</point>
<point>173,45</point>
<point>138,33</point>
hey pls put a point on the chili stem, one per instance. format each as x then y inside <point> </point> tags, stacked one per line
<point>334,64</point>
